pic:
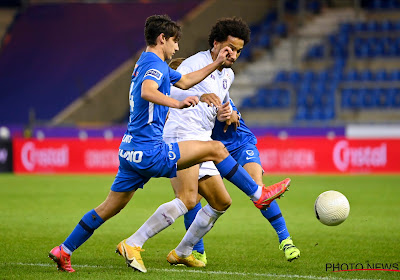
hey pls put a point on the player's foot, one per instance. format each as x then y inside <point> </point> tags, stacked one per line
<point>190,261</point>
<point>290,250</point>
<point>132,255</point>
<point>199,256</point>
<point>271,193</point>
<point>61,258</point>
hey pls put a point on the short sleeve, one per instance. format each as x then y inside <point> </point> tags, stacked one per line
<point>174,76</point>
<point>155,72</point>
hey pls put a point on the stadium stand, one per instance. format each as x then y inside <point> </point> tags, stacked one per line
<point>347,72</point>
<point>312,65</point>
<point>57,51</point>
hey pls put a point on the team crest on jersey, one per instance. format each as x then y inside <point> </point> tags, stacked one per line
<point>135,72</point>
<point>171,155</point>
<point>250,152</point>
<point>153,73</point>
<point>225,83</point>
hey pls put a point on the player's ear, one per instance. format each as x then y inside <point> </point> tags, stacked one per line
<point>215,44</point>
<point>161,38</point>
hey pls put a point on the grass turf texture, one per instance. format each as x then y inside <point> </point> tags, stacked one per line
<point>38,212</point>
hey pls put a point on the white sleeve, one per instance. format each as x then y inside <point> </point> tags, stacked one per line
<point>227,99</point>
<point>180,94</point>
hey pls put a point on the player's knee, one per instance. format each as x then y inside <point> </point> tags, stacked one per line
<point>222,204</point>
<point>226,204</point>
<point>190,202</point>
<point>219,150</point>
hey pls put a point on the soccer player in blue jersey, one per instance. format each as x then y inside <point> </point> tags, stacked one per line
<point>143,154</point>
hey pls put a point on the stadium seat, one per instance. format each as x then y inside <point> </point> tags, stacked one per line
<point>381,75</point>
<point>369,97</point>
<point>281,76</point>
<point>395,98</point>
<point>366,75</point>
<point>383,98</point>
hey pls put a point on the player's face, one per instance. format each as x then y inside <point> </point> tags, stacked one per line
<point>171,46</point>
<point>235,44</point>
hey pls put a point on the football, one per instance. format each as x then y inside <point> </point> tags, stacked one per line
<point>331,208</point>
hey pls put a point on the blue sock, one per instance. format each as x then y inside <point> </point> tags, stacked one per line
<point>236,174</point>
<point>83,230</point>
<point>189,218</point>
<point>274,216</point>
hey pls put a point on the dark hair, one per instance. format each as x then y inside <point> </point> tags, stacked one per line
<point>157,24</point>
<point>235,26</point>
<point>175,62</point>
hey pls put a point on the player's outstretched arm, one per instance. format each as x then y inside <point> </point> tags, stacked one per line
<point>190,79</point>
<point>210,98</point>
<point>150,93</point>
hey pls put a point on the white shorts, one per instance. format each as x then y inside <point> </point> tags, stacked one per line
<point>207,168</point>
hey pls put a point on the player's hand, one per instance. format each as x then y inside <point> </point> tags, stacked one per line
<point>233,120</point>
<point>224,112</point>
<point>224,54</point>
<point>188,102</point>
<point>211,99</point>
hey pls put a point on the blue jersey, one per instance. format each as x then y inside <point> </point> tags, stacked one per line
<point>146,119</point>
<point>233,139</point>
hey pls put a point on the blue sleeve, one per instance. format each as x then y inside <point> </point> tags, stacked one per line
<point>174,76</point>
<point>155,72</point>
<point>234,108</point>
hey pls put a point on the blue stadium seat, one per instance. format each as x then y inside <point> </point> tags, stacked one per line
<point>387,25</point>
<point>369,97</point>
<point>366,75</point>
<point>351,76</point>
<point>281,29</point>
<point>264,41</point>
<point>328,113</point>
<point>345,97</point>
<point>382,75</point>
<point>395,98</point>
<point>281,76</point>
<point>383,99</point>
<point>283,99</point>
<point>360,26</point>
<point>395,75</point>
<point>294,77</point>
<point>300,113</point>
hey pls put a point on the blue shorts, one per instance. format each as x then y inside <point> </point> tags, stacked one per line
<point>246,153</point>
<point>137,167</point>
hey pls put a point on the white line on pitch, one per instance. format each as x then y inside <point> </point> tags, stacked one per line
<point>271,275</point>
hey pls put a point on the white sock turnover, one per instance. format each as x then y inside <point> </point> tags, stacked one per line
<point>164,216</point>
<point>202,224</point>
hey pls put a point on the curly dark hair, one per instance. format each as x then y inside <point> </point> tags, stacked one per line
<point>235,26</point>
<point>157,24</point>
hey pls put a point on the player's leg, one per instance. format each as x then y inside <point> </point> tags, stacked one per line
<point>92,220</point>
<point>273,213</point>
<point>124,186</point>
<point>185,188</point>
<point>198,249</point>
<point>213,189</point>
<point>193,152</point>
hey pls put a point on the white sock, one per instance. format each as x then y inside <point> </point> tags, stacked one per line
<point>202,224</point>
<point>256,196</point>
<point>164,216</point>
<point>66,250</point>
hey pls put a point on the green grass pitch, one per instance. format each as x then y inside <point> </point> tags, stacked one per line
<point>38,212</point>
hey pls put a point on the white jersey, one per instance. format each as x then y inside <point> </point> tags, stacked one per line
<point>196,123</point>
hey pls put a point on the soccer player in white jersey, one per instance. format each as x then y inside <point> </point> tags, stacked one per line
<point>143,154</point>
<point>195,123</point>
